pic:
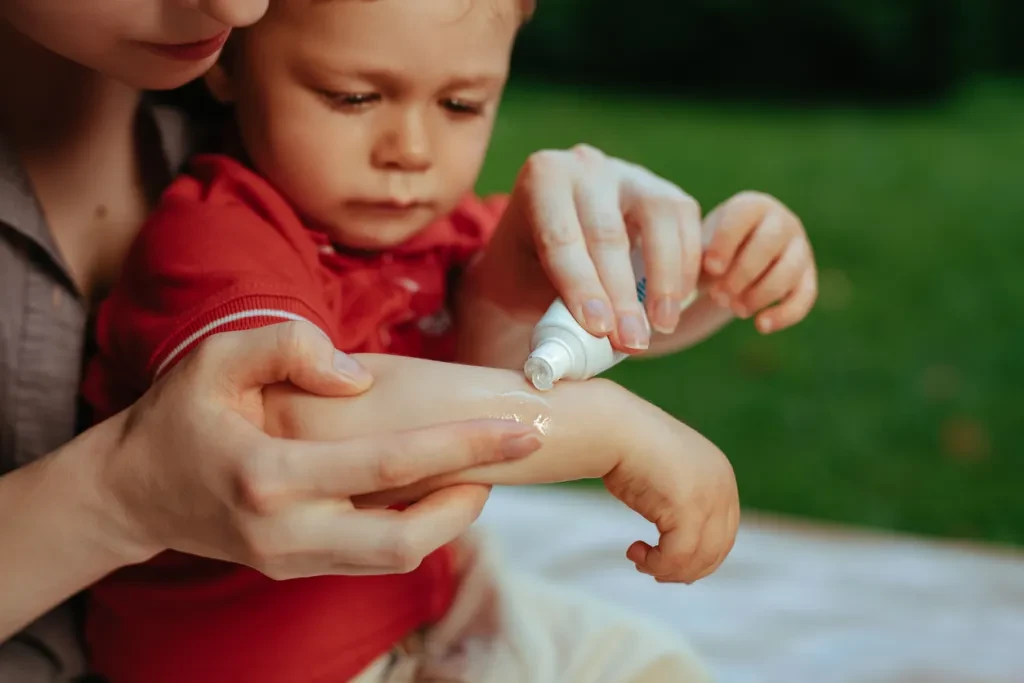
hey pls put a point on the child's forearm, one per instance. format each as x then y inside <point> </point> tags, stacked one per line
<point>586,427</point>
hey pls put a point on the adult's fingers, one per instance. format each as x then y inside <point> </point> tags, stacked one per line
<point>669,222</point>
<point>604,229</point>
<point>657,222</point>
<point>393,541</point>
<point>298,469</point>
<point>296,352</point>
<point>546,185</point>
<point>329,537</point>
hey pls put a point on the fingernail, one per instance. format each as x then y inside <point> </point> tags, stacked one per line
<point>688,301</point>
<point>633,333</point>
<point>765,325</point>
<point>598,316</point>
<point>520,446</point>
<point>741,312</point>
<point>347,366</point>
<point>714,265</point>
<point>666,314</point>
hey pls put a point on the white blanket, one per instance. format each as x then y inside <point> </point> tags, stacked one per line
<point>792,604</point>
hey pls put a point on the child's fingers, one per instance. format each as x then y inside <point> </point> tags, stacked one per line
<point>793,308</point>
<point>730,225</point>
<point>674,559</point>
<point>781,278</point>
<point>764,246</point>
<point>637,554</point>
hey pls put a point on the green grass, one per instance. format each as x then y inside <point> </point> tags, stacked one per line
<point>899,403</point>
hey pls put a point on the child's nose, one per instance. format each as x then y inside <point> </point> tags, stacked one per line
<point>404,145</point>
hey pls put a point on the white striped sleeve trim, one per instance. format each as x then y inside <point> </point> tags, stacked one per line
<point>227,320</point>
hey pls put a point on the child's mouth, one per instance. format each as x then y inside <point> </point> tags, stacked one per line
<point>388,206</point>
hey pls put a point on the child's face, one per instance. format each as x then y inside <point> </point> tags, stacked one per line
<point>372,117</point>
<point>150,44</point>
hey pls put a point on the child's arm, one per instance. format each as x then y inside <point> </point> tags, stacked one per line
<point>586,427</point>
<point>664,470</point>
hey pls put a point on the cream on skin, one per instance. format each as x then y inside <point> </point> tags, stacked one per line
<point>522,406</point>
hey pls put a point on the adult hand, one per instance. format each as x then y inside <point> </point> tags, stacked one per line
<point>577,211</point>
<point>193,470</point>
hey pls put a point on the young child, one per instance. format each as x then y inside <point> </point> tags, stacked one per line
<point>349,207</point>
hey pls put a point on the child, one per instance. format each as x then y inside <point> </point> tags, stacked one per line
<point>350,208</point>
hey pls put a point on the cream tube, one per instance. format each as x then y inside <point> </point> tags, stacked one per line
<point>562,349</point>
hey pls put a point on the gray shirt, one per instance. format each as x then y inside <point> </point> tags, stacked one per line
<point>43,327</point>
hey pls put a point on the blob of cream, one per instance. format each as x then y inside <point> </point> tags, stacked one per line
<point>521,406</point>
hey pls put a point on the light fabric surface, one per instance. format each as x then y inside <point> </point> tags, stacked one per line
<point>509,627</point>
<point>794,602</point>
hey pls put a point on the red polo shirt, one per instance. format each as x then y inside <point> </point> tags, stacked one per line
<point>225,251</point>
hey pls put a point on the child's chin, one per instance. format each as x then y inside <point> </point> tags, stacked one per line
<point>378,237</point>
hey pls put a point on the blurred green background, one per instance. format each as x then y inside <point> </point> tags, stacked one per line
<point>895,129</point>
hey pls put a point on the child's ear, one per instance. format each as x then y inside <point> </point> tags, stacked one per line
<point>219,83</point>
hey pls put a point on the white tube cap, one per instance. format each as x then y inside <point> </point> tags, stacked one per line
<point>549,362</point>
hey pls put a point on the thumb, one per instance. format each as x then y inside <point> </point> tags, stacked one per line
<point>296,352</point>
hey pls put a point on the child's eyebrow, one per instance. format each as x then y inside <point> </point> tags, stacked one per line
<point>476,81</point>
<point>396,78</point>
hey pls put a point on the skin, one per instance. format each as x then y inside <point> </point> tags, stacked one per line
<point>120,31</point>
<point>345,104</point>
<point>659,467</point>
<point>326,113</point>
<point>373,118</point>
<point>111,496</point>
<point>89,490</point>
<point>758,260</point>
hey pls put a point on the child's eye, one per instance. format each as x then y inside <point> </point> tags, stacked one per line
<point>350,100</point>
<point>463,107</point>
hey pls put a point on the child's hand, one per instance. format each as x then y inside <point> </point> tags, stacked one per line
<point>567,231</point>
<point>684,485</point>
<point>759,255</point>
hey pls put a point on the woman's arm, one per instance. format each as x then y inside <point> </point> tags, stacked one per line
<point>113,496</point>
<point>588,427</point>
<point>58,533</point>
